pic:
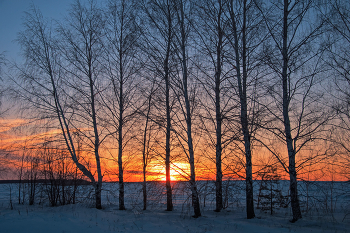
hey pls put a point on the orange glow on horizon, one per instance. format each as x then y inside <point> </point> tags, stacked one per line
<point>179,171</point>
<point>172,177</point>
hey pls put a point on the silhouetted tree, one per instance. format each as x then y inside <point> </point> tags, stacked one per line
<point>294,57</point>
<point>122,65</point>
<point>210,28</point>
<point>81,49</point>
<point>246,36</point>
<point>42,84</point>
<point>337,16</point>
<point>159,38</point>
<point>186,98</point>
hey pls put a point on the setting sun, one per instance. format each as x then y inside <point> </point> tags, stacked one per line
<point>178,172</point>
<point>172,178</point>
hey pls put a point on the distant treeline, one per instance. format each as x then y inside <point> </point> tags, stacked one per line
<point>45,181</point>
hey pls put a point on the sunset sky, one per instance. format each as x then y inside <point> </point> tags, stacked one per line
<point>14,135</point>
<point>11,19</point>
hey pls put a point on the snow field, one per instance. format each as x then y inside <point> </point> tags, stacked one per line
<point>82,217</point>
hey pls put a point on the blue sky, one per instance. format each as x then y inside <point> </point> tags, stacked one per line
<point>11,16</point>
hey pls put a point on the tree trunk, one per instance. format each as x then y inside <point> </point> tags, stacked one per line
<point>98,188</point>
<point>42,51</point>
<point>167,151</point>
<point>168,118</point>
<point>120,128</point>
<point>218,182</point>
<point>144,154</point>
<point>96,135</point>
<point>195,198</point>
<point>242,86</point>
<point>291,152</point>
<point>144,189</point>
<point>120,152</point>
<point>20,178</point>
<point>161,15</point>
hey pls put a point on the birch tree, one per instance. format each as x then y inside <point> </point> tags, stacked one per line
<point>293,55</point>
<point>210,26</point>
<point>122,66</point>
<point>337,16</point>
<point>246,36</point>
<point>183,15</point>
<point>81,48</point>
<point>41,85</point>
<point>159,36</point>
<point>148,131</point>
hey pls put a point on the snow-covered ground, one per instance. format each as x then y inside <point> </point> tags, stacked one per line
<point>327,211</point>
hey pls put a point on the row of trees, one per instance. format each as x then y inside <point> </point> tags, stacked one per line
<point>219,79</point>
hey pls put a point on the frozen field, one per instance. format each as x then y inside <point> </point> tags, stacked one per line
<point>325,207</point>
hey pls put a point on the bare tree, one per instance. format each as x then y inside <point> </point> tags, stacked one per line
<point>337,16</point>
<point>246,36</point>
<point>41,84</point>
<point>122,66</point>
<point>147,136</point>
<point>145,152</point>
<point>81,49</point>
<point>210,26</point>
<point>293,55</point>
<point>159,38</point>
<point>183,13</point>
